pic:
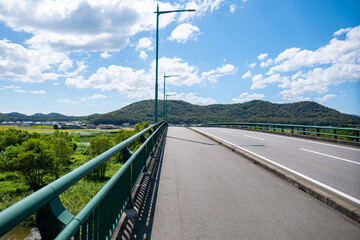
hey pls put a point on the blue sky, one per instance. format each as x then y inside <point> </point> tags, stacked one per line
<point>79,57</point>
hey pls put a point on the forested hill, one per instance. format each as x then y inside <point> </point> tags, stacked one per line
<point>180,112</point>
<point>14,117</point>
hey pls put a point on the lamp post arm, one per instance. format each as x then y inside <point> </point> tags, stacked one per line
<point>172,11</point>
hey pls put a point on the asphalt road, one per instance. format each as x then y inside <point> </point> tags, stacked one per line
<point>206,191</point>
<point>335,166</point>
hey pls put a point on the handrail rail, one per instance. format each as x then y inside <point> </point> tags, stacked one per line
<point>133,167</point>
<point>303,129</point>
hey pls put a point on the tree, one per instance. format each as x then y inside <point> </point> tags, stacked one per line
<point>138,127</point>
<point>145,125</point>
<point>35,160</point>
<point>12,137</point>
<point>98,145</point>
<point>63,148</point>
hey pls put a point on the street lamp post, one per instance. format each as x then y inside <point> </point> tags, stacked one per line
<point>167,76</point>
<point>157,52</point>
<point>166,105</point>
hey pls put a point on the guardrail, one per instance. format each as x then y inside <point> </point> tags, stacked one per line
<point>98,219</point>
<point>319,131</point>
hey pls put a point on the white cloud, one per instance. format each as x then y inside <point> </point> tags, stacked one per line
<point>105,54</point>
<point>247,75</point>
<point>176,66</point>
<point>143,55</point>
<point>246,97</point>
<point>61,27</point>
<point>202,7</point>
<point>94,96</point>
<point>65,65</point>
<point>145,43</point>
<point>78,25</point>
<point>252,65</point>
<point>184,32</point>
<point>342,31</point>
<point>139,84</point>
<point>287,54</point>
<point>336,51</point>
<point>66,101</point>
<point>12,87</point>
<point>115,78</point>
<point>37,92</point>
<point>192,98</point>
<point>232,8</point>
<point>307,73</point>
<point>90,25</point>
<point>214,74</point>
<point>262,56</point>
<point>19,90</point>
<point>36,65</point>
<point>260,82</point>
<point>325,98</point>
<point>267,63</point>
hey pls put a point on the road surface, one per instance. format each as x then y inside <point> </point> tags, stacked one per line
<point>335,166</point>
<point>206,191</point>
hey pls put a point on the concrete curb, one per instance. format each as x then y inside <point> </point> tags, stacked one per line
<point>329,199</point>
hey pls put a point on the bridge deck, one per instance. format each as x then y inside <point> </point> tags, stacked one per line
<point>205,191</point>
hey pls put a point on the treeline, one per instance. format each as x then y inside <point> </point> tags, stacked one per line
<point>180,112</point>
<point>14,117</point>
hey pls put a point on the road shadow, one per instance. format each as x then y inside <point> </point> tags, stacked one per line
<point>146,203</point>
<point>137,222</point>
<point>187,140</point>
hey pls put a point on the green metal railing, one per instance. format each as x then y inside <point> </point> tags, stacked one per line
<point>98,219</point>
<point>319,131</point>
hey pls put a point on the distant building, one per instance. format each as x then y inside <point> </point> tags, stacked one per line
<point>107,126</point>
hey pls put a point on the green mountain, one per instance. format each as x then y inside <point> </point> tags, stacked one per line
<point>14,116</point>
<point>180,112</point>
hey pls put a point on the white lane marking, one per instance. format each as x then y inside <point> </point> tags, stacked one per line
<point>326,155</point>
<point>254,137</point>
<point>297,139</point>
<point>351,198</point>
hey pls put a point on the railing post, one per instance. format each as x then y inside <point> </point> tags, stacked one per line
<point>126,153</point>
<point>143,138</point>
<point>318,132</point>
<point>356,133</point>
<point>334,132</point>
<point>131,201</point>
<point>52,218</point>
